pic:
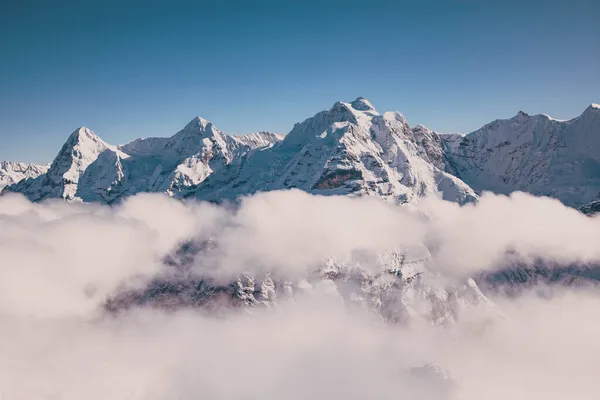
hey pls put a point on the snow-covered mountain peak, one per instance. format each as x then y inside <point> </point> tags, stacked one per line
<point>538,154</point>
<point>198,124</point>
<point>344,112</point>
<point>395,116</point>
<point>362,104</point>
<point>522,114</point>
<point>592,110</point>
<point>61,180</point>
<point>350,149</point>
<point>83,135</point>
<point>12,172</point>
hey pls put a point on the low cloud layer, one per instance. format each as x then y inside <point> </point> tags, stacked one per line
<point>61,261</point>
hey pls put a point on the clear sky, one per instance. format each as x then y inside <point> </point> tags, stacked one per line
<point>130,69</point>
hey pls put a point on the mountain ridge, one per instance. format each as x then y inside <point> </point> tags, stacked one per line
<point>533,153</point>
<point>350,149</point>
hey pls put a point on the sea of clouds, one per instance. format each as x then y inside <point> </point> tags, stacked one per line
<point>60,262</point>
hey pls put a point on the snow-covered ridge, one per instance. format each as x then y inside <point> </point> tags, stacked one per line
<point>89,169</point>
<point>12,172</point>
<point>533,153</point>
<point>350,149</point>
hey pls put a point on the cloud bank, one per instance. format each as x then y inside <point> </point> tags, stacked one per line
<point>60,262</point>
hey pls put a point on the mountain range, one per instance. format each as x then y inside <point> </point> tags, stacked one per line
<point>350,149</point>
<point>12,172</point>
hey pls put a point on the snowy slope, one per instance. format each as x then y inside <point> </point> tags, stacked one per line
<point>536,154</point>
<point>12,172</point>
<point>350,149</point>
<point>61,180</point>
<point>89,169</point>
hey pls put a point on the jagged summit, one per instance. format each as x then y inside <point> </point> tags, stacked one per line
<point>593,109</point>
<point>362,104</point>
<point>522,114</point>
<point>90,169</point>
<point>537,154</point>
<point>83,132</point>
<point>198,125</point>
<point>349,149</point>
<point>197,122</point>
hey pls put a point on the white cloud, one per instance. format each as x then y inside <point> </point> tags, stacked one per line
<point>60,261</point>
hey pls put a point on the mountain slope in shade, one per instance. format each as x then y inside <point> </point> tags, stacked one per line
<point>12,172</point>
<point>350,149</point>
<point>401,287</point>
<point>536,154</point>
<point>592,208</point>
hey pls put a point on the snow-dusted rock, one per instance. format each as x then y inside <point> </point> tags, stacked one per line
<point>400,286</point>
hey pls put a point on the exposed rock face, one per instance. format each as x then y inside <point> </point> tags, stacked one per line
<point>399,286</point>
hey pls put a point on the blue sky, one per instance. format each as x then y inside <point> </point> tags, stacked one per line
<point>130,69</point>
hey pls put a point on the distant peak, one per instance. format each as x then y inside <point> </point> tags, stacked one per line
<point>522,114</point>
<point>83,133</point>
<point>362,104</point>
<point>421,127</point>
<point>591,111</point>
<point>197,122</point>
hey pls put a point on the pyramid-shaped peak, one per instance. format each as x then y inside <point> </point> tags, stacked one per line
<point>593,108</point>
<point>83,131</point>
<point>198,122</point>
<point>83,135</point>
<point>592,112</point>
<point>362,104</point>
